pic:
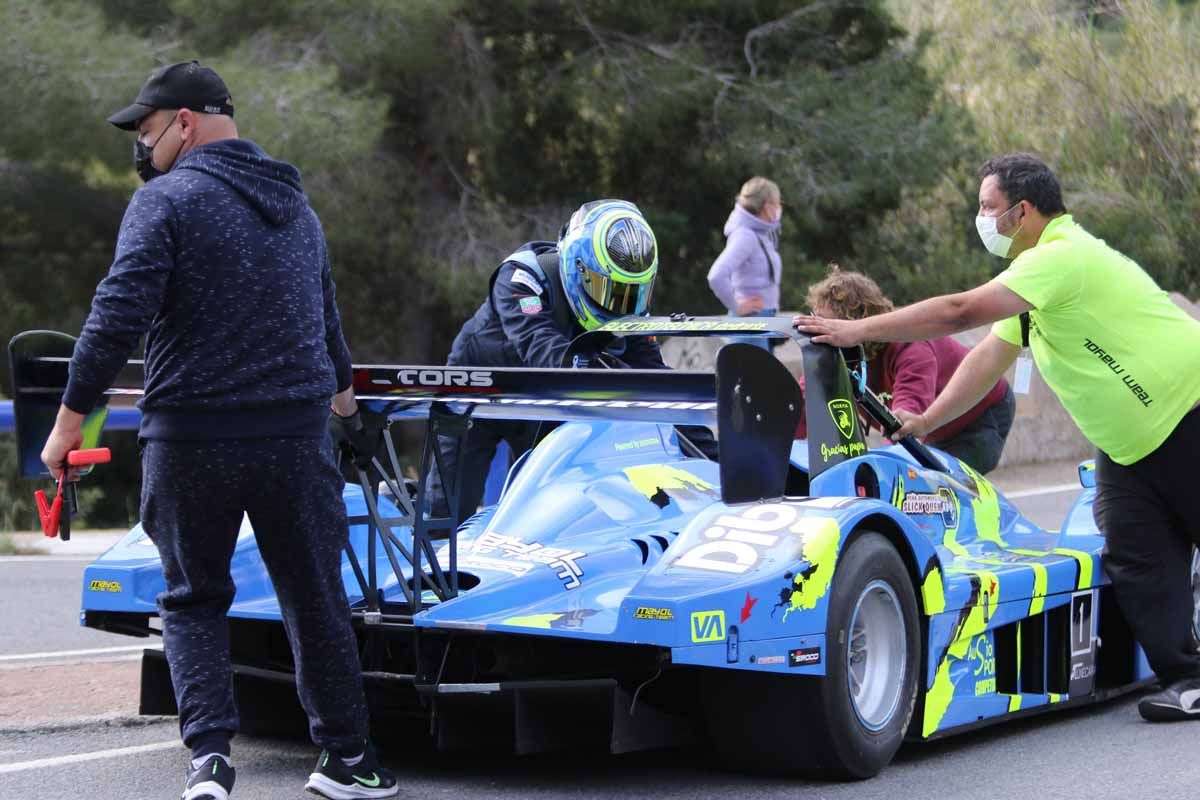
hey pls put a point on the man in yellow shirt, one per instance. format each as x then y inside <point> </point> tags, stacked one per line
<point>1125,362</point>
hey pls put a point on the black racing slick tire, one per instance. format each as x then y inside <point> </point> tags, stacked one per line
<point>849,724</point>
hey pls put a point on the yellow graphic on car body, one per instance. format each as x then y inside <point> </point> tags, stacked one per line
<point>534,620</point>
<point>820,538</point>
<point>986,505</point>
<point>950,538</point>
<point>974,623</point>
<point>650,479</point>
<point>656,614</point>
<point>898,492</point>
<point>1085,560</point>
<point>843,415</point>
<point>933,592</point>
<point>708,626</point>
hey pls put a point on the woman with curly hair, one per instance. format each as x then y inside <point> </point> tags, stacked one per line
<point>909,375</point>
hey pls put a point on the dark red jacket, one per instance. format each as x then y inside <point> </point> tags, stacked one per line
<point>909,375</point>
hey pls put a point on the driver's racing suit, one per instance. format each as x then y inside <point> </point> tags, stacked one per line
<point>526,322</point>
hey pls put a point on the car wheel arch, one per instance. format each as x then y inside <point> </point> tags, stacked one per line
<point>888,528</point>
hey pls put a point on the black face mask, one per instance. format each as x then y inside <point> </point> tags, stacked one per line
<point>143,155</point>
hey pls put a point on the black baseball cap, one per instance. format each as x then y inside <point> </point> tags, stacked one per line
<point>182,85</point>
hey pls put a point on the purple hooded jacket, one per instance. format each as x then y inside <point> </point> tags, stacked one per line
<point>750,264</point>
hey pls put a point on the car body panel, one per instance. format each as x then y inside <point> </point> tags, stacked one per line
<point>609,533</point>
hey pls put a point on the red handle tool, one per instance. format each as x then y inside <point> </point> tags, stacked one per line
<point>51,512</point>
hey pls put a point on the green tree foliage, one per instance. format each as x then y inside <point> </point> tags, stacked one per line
<point>1107,91</point>
<point>436,136</point>
<point>503,117</point>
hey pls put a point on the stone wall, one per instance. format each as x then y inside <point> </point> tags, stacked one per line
<point>1042,430</point>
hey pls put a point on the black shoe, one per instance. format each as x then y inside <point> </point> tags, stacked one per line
<point>1179,701</point>
<point>334,780</point>
<point>212,780</point>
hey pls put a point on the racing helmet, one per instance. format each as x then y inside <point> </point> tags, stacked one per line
<point>608,260</point>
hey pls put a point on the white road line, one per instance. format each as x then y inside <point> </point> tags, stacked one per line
<point>58,761</point>
<point>1059,489</point>
<point>43,559</point>
<point>95,651</point>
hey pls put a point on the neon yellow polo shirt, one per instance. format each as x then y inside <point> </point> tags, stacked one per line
<point>1123,359</point>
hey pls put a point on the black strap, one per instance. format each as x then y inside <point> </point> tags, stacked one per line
<point>564,318</point>
<point>1024,329</point>
<point>770,263</point>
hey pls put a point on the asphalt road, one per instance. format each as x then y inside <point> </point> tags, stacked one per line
<point>1099,752</point>
<point>1104,752</point>
<point>39,607</point>
<point>1047,510</point>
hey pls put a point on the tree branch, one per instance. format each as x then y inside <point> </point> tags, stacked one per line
<point>768,28</point>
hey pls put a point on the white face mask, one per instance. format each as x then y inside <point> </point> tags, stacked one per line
<point>777,214</point>
<point>996,243</point>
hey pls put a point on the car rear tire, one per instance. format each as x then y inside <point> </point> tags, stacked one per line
<point>849,724</point>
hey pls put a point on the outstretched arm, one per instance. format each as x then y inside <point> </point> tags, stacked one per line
<point>973,379</point>
<point>928,319</point>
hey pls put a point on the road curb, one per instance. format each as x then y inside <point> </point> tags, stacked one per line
<point>114,720</point>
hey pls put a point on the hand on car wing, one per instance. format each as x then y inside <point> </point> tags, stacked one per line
<point>836,332</point>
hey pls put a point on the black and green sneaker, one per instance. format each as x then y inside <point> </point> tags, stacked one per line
<point>212,780</point>
<point>335,779</point>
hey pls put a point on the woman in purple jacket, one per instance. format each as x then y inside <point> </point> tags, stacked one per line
<point>745,277</point>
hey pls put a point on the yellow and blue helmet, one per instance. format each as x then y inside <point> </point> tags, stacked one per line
<point>608,260</point>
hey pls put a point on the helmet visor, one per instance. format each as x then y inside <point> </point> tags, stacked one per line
<point>614,297</point>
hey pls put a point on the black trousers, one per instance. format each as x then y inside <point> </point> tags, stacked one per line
<point>476,455</point>
<point>1149,513</point>
<point>193,498</point>
<point>981,443</point>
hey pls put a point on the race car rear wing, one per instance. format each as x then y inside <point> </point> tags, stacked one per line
<point>753,397</point>
<point>40,359</point>
<point>39,366</point>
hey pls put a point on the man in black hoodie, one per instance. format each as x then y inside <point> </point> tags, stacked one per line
<point>222,264</point>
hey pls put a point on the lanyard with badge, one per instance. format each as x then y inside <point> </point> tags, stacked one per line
<point>1024,370</point>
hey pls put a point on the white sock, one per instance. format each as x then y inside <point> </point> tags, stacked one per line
<point>196,762</point>
<point>354,762</point>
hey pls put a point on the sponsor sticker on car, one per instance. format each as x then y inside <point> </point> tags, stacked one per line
<point>804,657</point>
<point>514,555</point>
<point>656,614</point>
<point>708,626</point>
<point>105,586</point>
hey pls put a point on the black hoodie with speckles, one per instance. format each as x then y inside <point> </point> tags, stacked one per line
<point>222,264</point>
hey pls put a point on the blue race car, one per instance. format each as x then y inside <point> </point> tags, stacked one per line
<point>806,605</point>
